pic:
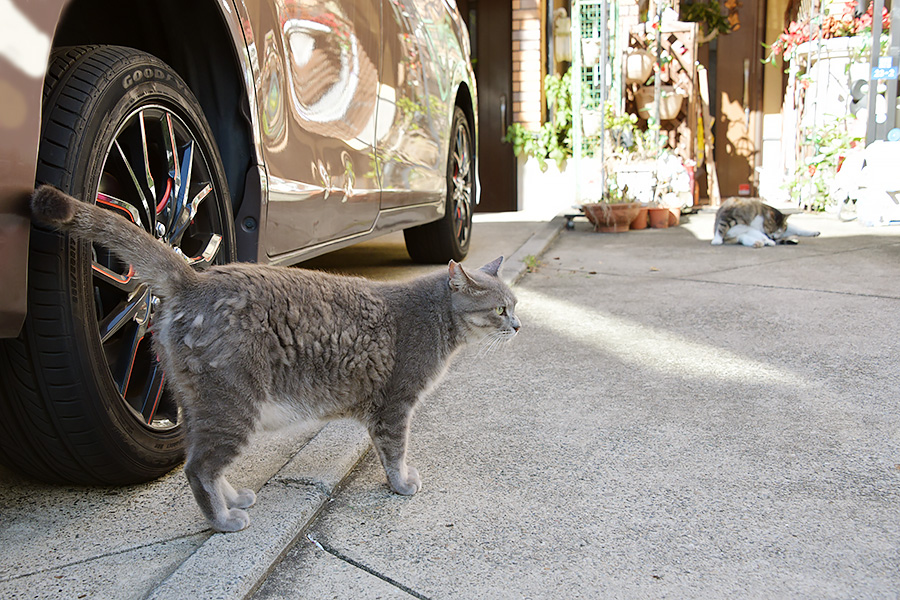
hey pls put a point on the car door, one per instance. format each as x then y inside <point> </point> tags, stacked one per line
<point>317,93</point>
<point>415,98</point>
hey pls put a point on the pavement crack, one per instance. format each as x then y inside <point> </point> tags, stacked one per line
<point>50,569</point>
<point>355,563</point>
<point>786,287</point>
<point>305,482</point>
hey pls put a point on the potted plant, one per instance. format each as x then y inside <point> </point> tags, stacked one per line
<point>553,140</point>
<point>670,100</point>
<point>616,211</point>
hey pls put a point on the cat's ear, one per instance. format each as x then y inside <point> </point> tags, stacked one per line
<point>492,267</point>
<point>459,279</point>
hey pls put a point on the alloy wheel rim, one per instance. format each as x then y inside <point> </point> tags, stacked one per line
<point>461,182</point>
<point>155,174</point>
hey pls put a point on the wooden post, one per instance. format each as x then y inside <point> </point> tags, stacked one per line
<point>712,178</point>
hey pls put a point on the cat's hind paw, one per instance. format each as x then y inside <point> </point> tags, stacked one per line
<point>244,498</point>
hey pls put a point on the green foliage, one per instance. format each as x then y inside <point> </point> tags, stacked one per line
<point>710,14</point>
<point>532,263</point>
<point>812,179</point>
<point>553,141</point>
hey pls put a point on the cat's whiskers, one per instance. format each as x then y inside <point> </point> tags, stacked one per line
<point>492,341</point>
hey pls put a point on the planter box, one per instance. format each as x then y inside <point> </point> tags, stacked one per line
<point>544,194</point>
<point>831,65</point>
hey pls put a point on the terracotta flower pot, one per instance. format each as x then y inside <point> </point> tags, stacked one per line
<point>659,217</point>
<point>611,218</point>
<point>641,220</point>
<point>674,216</point>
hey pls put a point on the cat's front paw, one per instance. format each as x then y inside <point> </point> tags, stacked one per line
<point>409,486</point>
<point>235,520</point>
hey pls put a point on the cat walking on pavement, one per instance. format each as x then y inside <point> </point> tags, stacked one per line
<point>248,347</point>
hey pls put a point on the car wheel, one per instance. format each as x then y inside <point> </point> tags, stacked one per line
<point>449,238</point>
<point>84,398</point>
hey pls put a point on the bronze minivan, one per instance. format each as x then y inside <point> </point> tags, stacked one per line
<point>253,130</point>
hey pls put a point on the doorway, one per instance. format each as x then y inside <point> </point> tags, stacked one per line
<point>490,30</point>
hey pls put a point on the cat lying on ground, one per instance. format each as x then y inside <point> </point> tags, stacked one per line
<point>754,224</point>
<point>249,347</point>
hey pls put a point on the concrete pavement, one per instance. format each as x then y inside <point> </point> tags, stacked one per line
<point>150,540</point>
<point>674,420</point>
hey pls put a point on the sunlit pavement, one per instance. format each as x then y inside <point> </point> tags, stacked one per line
<point>673,420</point>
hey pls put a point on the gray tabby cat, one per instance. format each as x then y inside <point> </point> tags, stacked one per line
<point>753,223</point>
<point>249,347</point>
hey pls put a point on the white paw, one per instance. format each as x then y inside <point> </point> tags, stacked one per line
<point>716,242</point>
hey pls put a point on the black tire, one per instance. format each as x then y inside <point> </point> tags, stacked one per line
<point>449,237</point>
<point>82,399</point>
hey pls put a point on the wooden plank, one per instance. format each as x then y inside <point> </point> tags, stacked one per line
<point>712,177</point>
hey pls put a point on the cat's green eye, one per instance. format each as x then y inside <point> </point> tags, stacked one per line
<point>501,310</point>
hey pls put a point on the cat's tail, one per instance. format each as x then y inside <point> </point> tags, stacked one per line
<point>153,261</point>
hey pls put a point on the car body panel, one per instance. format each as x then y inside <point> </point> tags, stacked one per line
<point>25,36</point>
<point>345,101</point>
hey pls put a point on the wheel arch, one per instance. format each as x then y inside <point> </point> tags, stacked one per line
<point>466,100</point>
<point>207,61</point>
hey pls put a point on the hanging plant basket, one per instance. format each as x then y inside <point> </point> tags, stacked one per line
<point>638,65</point>
<point>669,105</point>
<point>590,52</point>
<point>590,122</point>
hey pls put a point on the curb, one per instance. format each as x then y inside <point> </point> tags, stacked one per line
<point>514,267</point>
<point>231,566</point>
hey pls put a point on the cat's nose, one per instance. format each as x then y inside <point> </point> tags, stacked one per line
<point>516,325</point>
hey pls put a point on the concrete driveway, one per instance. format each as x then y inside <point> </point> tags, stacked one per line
<point>674,420</point>
<point>133,541</point>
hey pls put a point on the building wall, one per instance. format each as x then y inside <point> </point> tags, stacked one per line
<point>528,62</point>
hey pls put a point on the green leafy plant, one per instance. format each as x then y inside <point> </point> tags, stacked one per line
<point>812,180</point>
<point>553,141</point>
<point>709,14</point>
<point>532,263</point>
